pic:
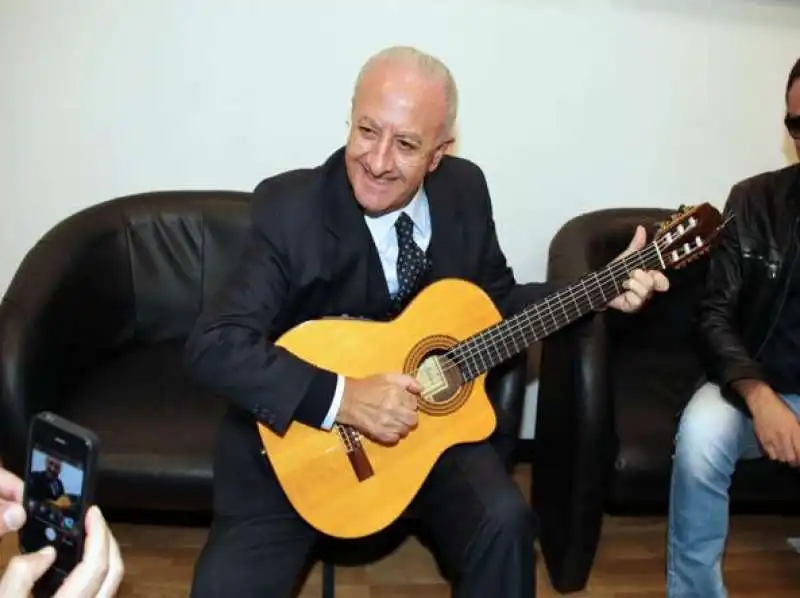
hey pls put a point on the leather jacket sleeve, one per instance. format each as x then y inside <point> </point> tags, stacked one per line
<point>727,358</point>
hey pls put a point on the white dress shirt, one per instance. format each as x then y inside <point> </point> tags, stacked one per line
<point>384,236</point>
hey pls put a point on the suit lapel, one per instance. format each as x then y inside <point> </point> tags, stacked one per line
<point>350,250</point>
<point>447,231</point>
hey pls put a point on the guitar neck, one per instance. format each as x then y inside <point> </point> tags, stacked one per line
<point>492,346</point>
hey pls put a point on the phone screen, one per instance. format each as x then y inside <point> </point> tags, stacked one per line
<point>55,488</point>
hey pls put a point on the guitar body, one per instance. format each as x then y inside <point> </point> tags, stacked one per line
<point>357,493</point>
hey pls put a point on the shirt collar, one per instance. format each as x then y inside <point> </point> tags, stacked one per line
<point>417,209</point>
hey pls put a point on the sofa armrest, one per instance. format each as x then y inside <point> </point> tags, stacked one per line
<point>505,386</point>
<point>575,441</point>
<point>573,448</point>
<point>67,303</point>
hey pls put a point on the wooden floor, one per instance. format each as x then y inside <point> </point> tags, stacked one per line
<point>630,562</point>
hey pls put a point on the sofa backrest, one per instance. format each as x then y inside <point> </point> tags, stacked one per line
<point>135,269</point>
<point>590,240</point>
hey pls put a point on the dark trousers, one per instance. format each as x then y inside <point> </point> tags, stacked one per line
<point>481,528</point>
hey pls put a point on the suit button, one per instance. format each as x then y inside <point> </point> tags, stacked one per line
<point>262,413</point>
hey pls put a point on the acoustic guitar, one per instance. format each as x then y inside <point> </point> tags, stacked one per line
<point>449,336</point>
<point>62,502</point>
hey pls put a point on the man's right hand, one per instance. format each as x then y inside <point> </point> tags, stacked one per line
<point>384,406</point>
<point>776,425</point>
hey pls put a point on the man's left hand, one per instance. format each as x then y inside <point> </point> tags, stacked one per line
<point>642,283</point>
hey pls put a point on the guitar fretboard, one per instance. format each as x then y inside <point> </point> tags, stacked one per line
<point>492,346</point>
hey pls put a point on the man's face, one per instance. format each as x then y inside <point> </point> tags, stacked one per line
<point>53,467</point>
<point>396,136</point>
<point>793,110</point>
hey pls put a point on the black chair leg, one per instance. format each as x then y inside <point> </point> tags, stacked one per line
<point>327,580</point>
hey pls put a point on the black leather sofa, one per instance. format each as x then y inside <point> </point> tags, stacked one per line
<point>92,327</point>
<point>611,391</point>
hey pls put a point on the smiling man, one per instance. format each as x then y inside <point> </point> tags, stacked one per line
<point>361,235</point>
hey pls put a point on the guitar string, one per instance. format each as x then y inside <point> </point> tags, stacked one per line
<point>475,351</point>
<point>547,308</point>
<point>351,437</point>
<point>475,347</point>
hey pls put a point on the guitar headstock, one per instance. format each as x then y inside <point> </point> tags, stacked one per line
<point>688,234</point>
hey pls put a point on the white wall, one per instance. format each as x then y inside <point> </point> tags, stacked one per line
<point>568,105</point>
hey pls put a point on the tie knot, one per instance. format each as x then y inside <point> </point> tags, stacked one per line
<point>404,226</point>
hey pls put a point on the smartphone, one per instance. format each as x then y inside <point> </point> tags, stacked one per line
<point>59,483</point>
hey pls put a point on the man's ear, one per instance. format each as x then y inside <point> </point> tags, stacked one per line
<point>439,153</point>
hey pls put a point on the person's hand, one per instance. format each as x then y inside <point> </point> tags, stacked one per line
<point>384,406</point>
<point>12,514</point>
<point>98,575</point>
<point>642,283</point>
<point>775,424</point>
<point>24,570</point>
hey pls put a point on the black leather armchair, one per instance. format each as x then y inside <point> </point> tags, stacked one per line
<point>92,327</point>
<point>611,391</point>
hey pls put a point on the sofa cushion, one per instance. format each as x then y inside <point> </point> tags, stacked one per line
<point>156,428</point>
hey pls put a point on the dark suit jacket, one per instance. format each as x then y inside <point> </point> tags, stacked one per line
<point>310,255</point>
<point>41,487</point>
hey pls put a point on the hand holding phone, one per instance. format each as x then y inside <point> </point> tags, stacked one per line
<point>63,533</point>
<point>98,574</point>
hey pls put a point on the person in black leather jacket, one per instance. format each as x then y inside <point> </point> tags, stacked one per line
<point>750,337</point>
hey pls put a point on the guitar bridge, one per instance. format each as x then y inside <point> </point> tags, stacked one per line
<point>355,452</point>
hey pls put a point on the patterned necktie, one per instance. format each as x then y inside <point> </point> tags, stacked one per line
<point>411,262</point>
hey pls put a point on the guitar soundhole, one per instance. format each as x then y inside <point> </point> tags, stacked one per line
<point>443,388</point>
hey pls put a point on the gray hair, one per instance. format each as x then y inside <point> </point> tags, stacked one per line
<point>425,64</point>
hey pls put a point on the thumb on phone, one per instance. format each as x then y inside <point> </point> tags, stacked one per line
<point>13,517</point>
<point>24,570</point>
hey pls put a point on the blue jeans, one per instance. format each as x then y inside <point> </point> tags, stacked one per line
<point>712,436</point>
